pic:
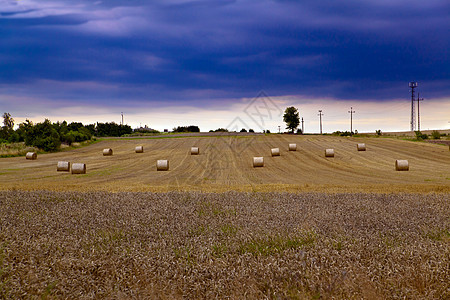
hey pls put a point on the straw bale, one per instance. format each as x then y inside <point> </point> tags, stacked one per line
<point>78,168</point>
<point>195,151</point>
<point>31,155</point>
<point>258,162</point>
<point>63,166</point>
<point>329,152</point>
<point>162,165</point>
<point>275,151</point>
<point>107,152</point>
<point>361,147</point>
<point>139,149</point>
<point>401,165</point>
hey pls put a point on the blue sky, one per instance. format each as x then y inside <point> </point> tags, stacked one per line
<point>175,62</point>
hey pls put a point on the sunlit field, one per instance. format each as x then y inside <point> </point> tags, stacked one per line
<point>225,163</point>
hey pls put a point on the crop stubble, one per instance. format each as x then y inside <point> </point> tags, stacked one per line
<point>225,163</point>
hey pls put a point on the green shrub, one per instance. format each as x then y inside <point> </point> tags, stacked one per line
<point>436,135</point>
<point>191,128</point>
<point>14,137</point>
<point>421,136</point>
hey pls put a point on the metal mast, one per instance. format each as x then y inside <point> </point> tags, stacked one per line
<point>418,110</point>
<point>413,85</point>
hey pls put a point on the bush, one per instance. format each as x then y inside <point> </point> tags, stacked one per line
<point>378,132</point>
<point>436,135</point>
<point>342,133</point>
<point>75,126</point>
<point>112,129</point>
<point>191,128</point>
<point>421,136</point>
<point>251,130</point>
<point>68,138</point>
<point>144,130</point>
<point>48,143</point>
<point>14,137</point>
<point>243,130</point>
<point>219,130</point>
<point>42,135</point>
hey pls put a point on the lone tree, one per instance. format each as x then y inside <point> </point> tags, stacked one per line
<point>292,118</point>
<point>8,121</point>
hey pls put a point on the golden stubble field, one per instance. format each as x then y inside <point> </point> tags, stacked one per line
<point>225,163</point>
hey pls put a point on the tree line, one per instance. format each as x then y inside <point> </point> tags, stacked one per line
<point>49,136</point>
<point>191,128</point>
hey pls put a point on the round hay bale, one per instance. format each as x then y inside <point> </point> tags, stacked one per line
<point>31,155</point>
<point>78,168</point>
<point>275,151</point>
<point>361,147</point>
<point>292,147</point>
<point>162,165</point>
<point>329,152</point>
<point>107,152</point>
<point>401,165</point>
<point>195,151</point>
<point>63,166</point>
<point>139,149</point>
<point>258,162</point>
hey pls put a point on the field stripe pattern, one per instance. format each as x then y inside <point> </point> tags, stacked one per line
<point>225,163</point>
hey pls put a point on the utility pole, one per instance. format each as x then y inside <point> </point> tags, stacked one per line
<point>122,118</point>
<point>303,128</point>
<point>351,112</point>
<point>279,129</point>
<point>320,115</point>
<point>418,111</point>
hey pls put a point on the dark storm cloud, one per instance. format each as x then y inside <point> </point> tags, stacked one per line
<point>197,50</point>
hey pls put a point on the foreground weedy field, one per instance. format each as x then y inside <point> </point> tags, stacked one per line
<point>225,163</point>
<point>240,245</point>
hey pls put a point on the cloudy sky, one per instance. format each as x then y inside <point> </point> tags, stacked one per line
<point>224,63</point>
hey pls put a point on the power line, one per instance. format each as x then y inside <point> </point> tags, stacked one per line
<point>392,108</point>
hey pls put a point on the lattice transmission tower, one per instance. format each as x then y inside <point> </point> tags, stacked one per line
<point>413,85</point>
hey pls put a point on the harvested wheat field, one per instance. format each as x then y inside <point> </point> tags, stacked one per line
<point>226,163</point>
<point>303,226</point>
